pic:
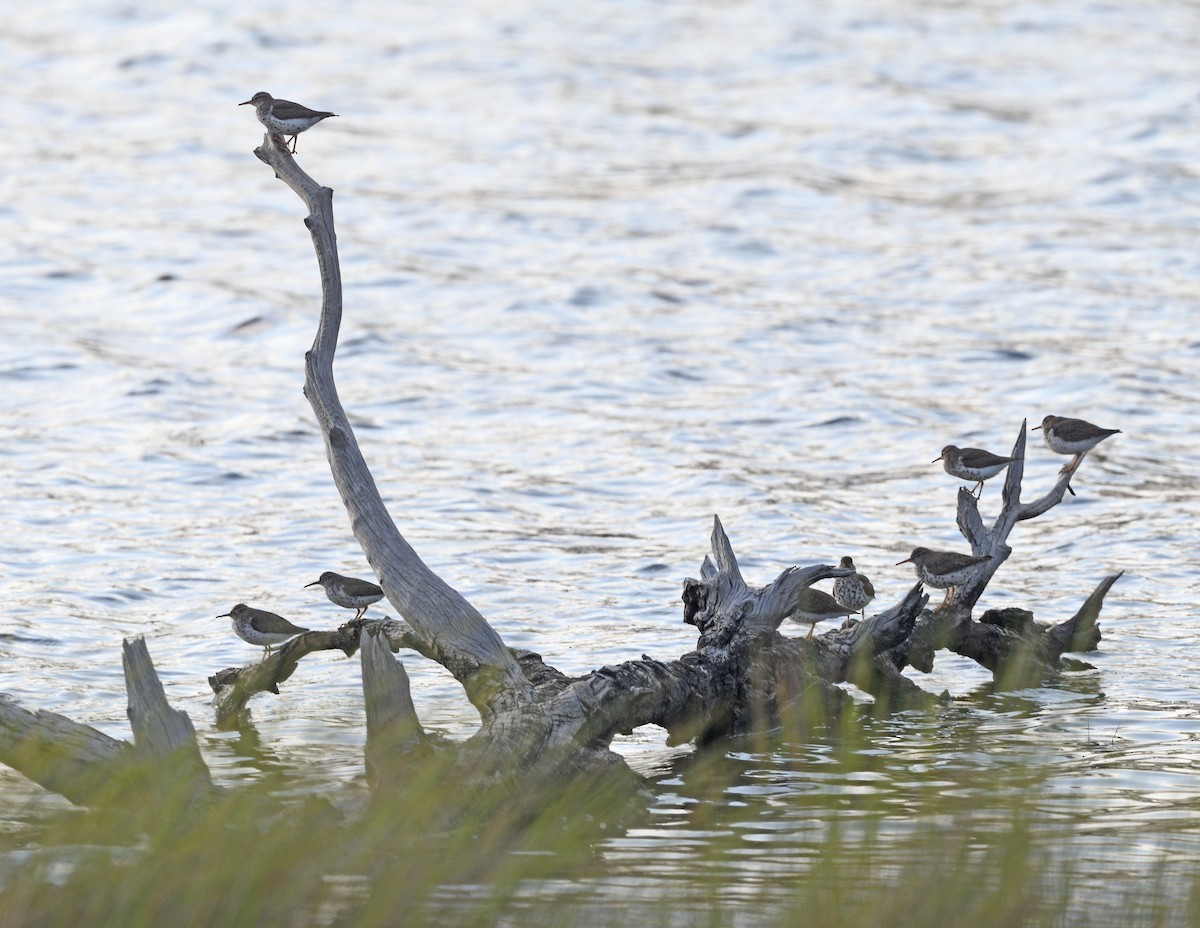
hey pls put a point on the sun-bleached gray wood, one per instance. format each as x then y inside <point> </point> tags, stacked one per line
<point>90,768</point>
<point>470,648</point>
<point>164,738</point>
<point>66,757</point>
<point>395,738</point>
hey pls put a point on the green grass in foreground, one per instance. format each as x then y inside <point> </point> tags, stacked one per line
<point>555,858</point>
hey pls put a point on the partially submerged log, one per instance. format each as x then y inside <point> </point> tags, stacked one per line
<point>537,724</point>
<point>90,768</point>
<point>742,675</point>
<point>74,760</point>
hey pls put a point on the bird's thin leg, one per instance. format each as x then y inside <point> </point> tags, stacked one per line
<point>812,628</point>
<point>978,491</point>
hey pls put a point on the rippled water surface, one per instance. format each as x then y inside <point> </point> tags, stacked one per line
<point>610,269</point>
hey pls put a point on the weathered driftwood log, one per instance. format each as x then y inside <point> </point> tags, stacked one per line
<point>740,675</point>
<point>529,712</point>
<point>71,759</point>
<point>395,738</point>
<point>536,722</point>
<point>164,739</point>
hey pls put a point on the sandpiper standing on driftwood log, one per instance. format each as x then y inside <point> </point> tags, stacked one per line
<point>855,591</point>
<point>944,570</point>
<point>262,628</point>
<point>1071,436</point>
<point>348,592</point>
<point>972,464</point>
<point>283,117</point>
<point>813,606</point>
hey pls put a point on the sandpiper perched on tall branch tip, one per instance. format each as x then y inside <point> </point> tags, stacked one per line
<point>1071,436</point>
<point>283,117</point>
<point>972,464</point>
<point>348,592</point>
<point>944,570</point>
<point>259,627</point>
<point>855,591</point>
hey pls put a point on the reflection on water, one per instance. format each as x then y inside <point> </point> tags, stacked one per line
<point>610,270</point>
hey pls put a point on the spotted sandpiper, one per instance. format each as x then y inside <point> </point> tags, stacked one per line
<point>348,592</point>
<point>972,464</point>
<point>855,591</point>
<point>257,626</point>
<point>813,606</point>
<point>283,117</point>
<point>944,570</point>
<point>1072,436</point>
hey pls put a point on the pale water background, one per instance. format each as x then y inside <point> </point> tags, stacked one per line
<point>610,269</point>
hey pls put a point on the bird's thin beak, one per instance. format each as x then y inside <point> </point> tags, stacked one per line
<point>907,560</point>
<point>1035,428</point>
<point>307,585</point>
<point>243,104</point>
<point>226,615</point>
<point>935,460</point>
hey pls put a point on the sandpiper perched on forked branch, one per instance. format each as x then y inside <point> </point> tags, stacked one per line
<point>262,628</point>
<point>944,570</point>
<point>348,592</point>
<point>855,591</point>
<point>1071,436</point>
<point>972,464</point>
<point>283,117</point>
<point>813,606</point>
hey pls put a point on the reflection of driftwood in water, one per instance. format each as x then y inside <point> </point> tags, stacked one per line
<point>535,722</point>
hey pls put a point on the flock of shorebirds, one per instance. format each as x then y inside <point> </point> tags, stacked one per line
<point>946,570</point>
